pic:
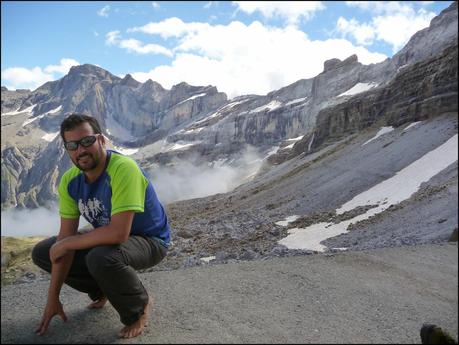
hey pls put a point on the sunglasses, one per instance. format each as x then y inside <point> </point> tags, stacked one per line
<point>85,142</point>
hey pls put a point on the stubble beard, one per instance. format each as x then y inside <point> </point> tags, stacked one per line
<point>95,162</point>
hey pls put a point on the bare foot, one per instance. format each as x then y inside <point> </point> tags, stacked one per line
<point>137,327</point>
<point>98,303</point>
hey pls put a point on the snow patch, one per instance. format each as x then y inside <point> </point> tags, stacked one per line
<point>272,151</point>
<point>295,139</point>
<point>411,125</point>
<point>126,152</point>
<point>195,130</point>
<point>192,97</point>
<point>208,258</point>
<point>51,112</point>
<point>178,146</point>
<point>115,129</point>
<point>382,131</point>
<point>295,101</point>
<point>218,112</point>
<point>310,143</point>
<point>271,106</point>
<point>287,220</point>
<point>358,88</point>
<point>50,136</point>
<point>17,111</point>
<point>385,194</point>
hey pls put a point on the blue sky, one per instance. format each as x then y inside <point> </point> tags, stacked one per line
<point>240,47</point>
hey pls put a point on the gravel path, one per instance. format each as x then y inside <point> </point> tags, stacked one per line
<point>378,296</point>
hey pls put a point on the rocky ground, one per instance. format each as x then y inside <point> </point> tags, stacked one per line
<point>17,265</point>
<point>370,296</point>
<point>241,225</point>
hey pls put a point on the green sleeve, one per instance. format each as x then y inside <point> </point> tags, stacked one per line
<point>68,207</point>
<point>128,187</point>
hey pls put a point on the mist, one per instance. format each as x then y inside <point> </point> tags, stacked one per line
<point>181,180</point>
<point>32,222</point>
<point>191,178</point>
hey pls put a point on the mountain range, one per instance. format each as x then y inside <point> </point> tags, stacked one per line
<point>296,156</point>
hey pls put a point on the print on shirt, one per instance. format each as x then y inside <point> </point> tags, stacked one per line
<point>94,211</point>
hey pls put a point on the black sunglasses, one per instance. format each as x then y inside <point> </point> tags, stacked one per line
<point>85,142</point>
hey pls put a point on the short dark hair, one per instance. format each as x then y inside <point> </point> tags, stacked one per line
<point>74,120</point>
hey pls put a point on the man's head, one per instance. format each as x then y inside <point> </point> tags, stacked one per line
<point>83,141</point>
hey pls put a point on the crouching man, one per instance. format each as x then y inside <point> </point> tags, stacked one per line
<point>131,230</point>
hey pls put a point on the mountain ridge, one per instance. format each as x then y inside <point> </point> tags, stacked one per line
<point>200,122</point>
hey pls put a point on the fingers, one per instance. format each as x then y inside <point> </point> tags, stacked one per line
<point>39,327</point>
<point>45,321</point>
<point>43,326</point>
<point>63,316</point>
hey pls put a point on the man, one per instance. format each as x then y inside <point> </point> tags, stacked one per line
<point>131,230</point>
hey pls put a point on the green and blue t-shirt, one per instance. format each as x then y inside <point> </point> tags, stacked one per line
<point>123,186</point>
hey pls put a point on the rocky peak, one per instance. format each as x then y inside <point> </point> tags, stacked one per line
<point>337,63</point>
<point>4,88</point>
<point>182,91</point>
<point>446,16</point>
<point>129,81</point>
<point>181,87</point>
<point>331,64</point>
<point>431,40</point>
<point>152,85</point>
<point>87,70</point>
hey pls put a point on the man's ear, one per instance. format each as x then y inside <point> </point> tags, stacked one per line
<point>102,140</point>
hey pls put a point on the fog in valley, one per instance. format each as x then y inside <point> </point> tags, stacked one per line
<point>182,180</point>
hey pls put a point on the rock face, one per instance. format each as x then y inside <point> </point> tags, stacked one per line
<point>13,100</point>
<point>418,82</point>
<point>429,41</point>
<point>423,90</point>
<point>129,111</point>
<point>14,165</point>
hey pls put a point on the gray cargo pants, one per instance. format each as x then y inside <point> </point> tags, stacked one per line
<point>110,271</point>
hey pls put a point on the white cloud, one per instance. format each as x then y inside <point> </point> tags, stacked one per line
<point>291,11</point>
<point>24,78</point>
<point>388,7</point>
<point>103,12</point>
<point>210,4</point>
<point>170,27</point>
<point>63,68</point>
<point>112,38</point>
<point>155,5</point>
<point>397,29</point>
<point>393,23</point>
<point>363,33</point>
<point>136,46</point>
<point>245,59</point>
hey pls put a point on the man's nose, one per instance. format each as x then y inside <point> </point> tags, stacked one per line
<point>80,149</point>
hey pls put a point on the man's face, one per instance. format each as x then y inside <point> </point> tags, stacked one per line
<point>85,158</point>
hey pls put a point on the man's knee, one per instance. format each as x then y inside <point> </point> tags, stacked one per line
<point>40,253</point>
<point>103,259</point>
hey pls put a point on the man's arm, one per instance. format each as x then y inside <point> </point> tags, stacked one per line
<point>59,271</point>
<point>114,233</point>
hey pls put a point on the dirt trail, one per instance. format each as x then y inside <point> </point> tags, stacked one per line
<point>378,296</point>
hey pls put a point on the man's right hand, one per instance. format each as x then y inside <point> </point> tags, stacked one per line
<point>53,307</point>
